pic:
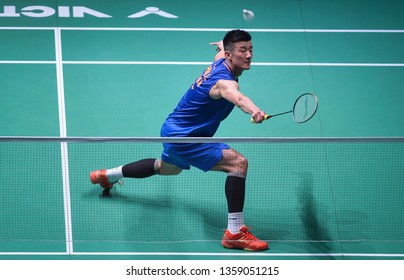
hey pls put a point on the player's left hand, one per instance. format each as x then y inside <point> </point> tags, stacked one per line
<point>219,45</point>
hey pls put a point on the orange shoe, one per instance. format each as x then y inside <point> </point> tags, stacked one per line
<point>243,240</point>
<point>100,177</point>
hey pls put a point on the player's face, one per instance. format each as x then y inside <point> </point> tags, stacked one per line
<point>242,54</point>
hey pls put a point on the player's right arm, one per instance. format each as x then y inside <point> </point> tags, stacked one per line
<point>229,90</point>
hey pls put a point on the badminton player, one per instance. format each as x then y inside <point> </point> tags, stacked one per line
<point>209,100</point>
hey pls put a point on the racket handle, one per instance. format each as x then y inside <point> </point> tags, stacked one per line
<point>266,117</point>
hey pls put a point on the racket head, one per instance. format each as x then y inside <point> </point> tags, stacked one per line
<point>305,107</point>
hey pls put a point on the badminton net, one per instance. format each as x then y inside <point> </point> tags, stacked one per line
<point>297,189</point>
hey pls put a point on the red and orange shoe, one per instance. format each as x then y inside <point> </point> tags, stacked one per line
<point>100,177</point>
<point>243,240</point>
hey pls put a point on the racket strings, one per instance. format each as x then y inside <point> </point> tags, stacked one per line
<point>305,107</point>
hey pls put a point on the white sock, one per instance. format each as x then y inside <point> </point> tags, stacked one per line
<point>235,221</point>
<point>114,174</point>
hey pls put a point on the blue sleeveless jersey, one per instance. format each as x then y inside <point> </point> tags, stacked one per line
<point>197,114</point>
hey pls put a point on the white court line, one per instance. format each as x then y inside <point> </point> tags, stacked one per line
<point>63,145</point>
<point>255,254</point>
<point>314,64</point>
<point>208,30</point>
<point>25,28</point>
<point>139,62</point>
<point>247,255</point>
<point>326,64</point>
<point>263,30</point>
<point>168,29</point>
<point>27,62</point>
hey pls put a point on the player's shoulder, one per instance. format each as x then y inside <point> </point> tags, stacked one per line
<point>221,68</point>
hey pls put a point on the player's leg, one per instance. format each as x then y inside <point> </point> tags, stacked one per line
<point>139,169</point>
<point>220,157</point>
<point>237,234</point>
<point>236,166</point>
<point>232,162</point>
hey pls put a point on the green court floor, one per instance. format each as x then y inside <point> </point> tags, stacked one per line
<point>92,76</point>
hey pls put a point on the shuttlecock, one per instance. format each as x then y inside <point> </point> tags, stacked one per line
<point>248,15</point>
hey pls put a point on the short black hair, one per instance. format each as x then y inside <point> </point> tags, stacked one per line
<point>235,36</point>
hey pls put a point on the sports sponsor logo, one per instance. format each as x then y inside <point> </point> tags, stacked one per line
<point>38,11</point>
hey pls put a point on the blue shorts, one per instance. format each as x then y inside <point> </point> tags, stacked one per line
<point>201,155</point>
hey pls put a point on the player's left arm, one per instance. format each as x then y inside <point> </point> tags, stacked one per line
<point>229,90</point>
<point>219,49</point>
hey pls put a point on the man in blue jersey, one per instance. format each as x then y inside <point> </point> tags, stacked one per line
<point>209,100</point>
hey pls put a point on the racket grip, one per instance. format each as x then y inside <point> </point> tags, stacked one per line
<point>266,117</point>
